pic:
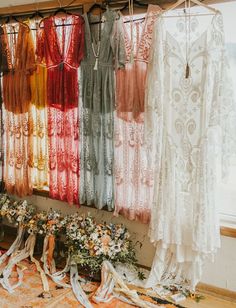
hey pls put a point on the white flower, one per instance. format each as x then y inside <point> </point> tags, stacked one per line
<point>94,236</point>
<point>5,207</point>
<point>12,212</point>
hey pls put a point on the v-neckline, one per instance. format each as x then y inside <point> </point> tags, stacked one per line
<point>142,32</point>
<point>62,53</point>
<point>11,62</point>
<point>204,33</point>
<point>89,29</point>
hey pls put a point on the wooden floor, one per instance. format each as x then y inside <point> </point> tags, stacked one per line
<point>209,302</point>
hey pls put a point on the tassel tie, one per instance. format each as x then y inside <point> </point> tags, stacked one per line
<point>96,55</point>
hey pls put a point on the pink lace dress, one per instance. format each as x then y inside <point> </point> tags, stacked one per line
<point>133,176</point>
<point>130,83</point>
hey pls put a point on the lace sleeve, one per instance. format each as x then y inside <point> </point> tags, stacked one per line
<point>40,45</point>
<point>118,44</point>
<point>227,116</point>
<point>30,62</point>
<point>80,54</point>
<point>154,92</point>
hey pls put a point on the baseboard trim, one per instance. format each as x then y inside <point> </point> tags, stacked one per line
<point>217,292</point>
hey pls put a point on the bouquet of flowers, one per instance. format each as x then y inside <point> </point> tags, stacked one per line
<point>46,223</point>
<point>3,199</point>
<point>38,223</point>
<point>17,212</point>
<point>90,243</point>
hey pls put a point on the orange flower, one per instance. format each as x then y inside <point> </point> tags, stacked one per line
<point>105,240</point>
<point>51,222</point>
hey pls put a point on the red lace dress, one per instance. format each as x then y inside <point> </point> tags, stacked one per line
<point>134,177</point>
<point>61,48</point>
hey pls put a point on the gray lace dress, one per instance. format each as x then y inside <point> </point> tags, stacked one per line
<point>104,52</point>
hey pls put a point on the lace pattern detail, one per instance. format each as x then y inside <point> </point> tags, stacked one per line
<point>188,124</point>
<point>62,56</point>
<point>134,174</point>
<point>97,112</point>
<point>16,170</point>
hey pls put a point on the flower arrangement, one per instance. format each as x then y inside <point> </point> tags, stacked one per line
<point>17,212</point>
<point>89,243</point>
<point>46,223</point>
<point>3,199</point>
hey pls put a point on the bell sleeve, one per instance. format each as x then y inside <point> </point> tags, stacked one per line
<point>80,54</point>
<point>40,45</point>
<point>226,116</point>
<point>118,44</point>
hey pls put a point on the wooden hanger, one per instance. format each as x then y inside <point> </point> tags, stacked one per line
<point>135,2</point>
<point>61,10</point>
<point>96,6</point>
<point>36,14</point>
<point>14,19</point>
<point>197,2</point>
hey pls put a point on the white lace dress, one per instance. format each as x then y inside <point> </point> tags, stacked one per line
<point>190,123</point>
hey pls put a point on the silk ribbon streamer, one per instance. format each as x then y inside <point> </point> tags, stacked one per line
<point>49,262</point>
<point>15,245</point>
<point>26,252</point>
<point>76,287</point>
<point>59,276</point>
<point>112,285</point>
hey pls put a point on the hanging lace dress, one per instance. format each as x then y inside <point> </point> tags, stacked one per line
<point>104,50</point>
<point>61,48</point>
<point>19,50</point>
<point>133,173</point>
<point>190,122</point>
<point>3,68</point>
<point>38,139</point>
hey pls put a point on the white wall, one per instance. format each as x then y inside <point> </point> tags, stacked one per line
<point>221,274</point>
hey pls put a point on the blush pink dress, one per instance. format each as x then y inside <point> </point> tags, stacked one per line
<point>130,82</point>
<point>133,175</point>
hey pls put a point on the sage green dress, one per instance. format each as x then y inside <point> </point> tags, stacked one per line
<point>97,108</point>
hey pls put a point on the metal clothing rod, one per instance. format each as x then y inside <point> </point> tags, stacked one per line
<point>188,15</point>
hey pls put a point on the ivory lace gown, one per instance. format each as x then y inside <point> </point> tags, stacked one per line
<point>190,122</point>
<point>133,173</point>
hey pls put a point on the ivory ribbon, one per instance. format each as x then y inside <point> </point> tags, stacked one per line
<point>49,262</point>
<point>112,285</point>
<point>76,287</point>
<point>26,252</point>
<point>59,276</point>
<point>15,245</point>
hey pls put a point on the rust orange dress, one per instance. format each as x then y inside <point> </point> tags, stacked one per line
<point>20,64</point>
<point>61,48</point>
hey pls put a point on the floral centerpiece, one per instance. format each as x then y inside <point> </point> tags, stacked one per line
<point>38,223</point>
<point>17,212</point>
<point>49,225</point>
<point>46,223</point>
<point>90,243</point>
